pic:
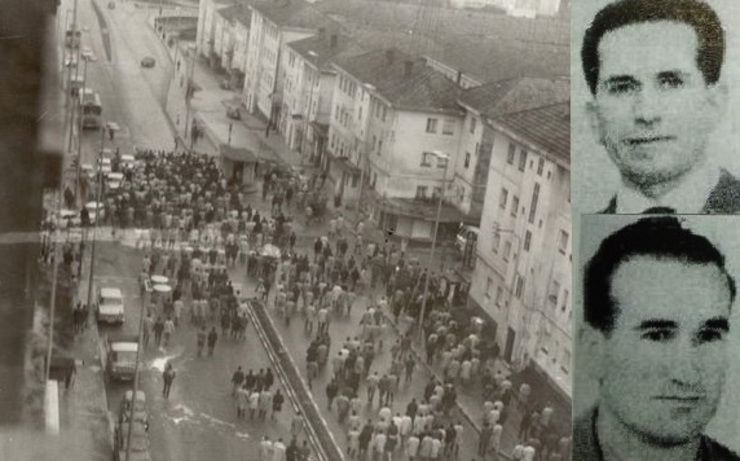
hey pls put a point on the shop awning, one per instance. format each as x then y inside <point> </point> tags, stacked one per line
<point>237,154</point>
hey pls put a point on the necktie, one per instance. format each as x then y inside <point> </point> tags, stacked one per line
<point>659,210</point>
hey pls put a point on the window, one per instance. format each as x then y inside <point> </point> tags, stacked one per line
<point>380,146</point>
<point>448,128</point>
<point>336,114</point>
<point>431,125</point>
<point>385,112</point>
<point>540,166</point>
<point>522,160</point>
<point>436,192</point>
<point>552,298</point>
<point>355,180</point>
<point>533,206</point>
<point>507,251</point>
<point>421,191</point>
<point>510,155</point>
<point>426,159</point>
<point>473,122</point>
<point>489,287</point>
<point>496,241</point>
<point>519,289</point>
<point>442,162</point>
<point>375,140</point>
<point>467,159</point>
<point>503,198</point>
<point>333,140</point>
<point>499,296</point>
<point>564,306</point>
<point>527,240</point>
<point>563,241</point>
<point>514,206</point>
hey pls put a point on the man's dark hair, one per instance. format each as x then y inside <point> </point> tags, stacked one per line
<point>695,13</point>
<point>662,238</point>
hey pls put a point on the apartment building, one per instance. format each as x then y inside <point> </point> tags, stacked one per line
<point>522,277</point>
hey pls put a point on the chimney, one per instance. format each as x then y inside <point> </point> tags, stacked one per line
<point>408,66</point>
<point>390,56</point>
<point>333,41</point>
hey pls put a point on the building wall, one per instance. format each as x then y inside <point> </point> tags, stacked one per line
<point>241,45</point>
<point>468,163</point>
<point>407,140</point>
<point>461,78</point>
<point>202,28</point>
<point>522,277</point>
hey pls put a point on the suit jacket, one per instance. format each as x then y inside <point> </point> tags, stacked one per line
<point>586,443</point>
<point>724,198</point>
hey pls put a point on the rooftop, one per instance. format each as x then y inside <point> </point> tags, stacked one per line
<point>404,81</point>
<point>546,127</point>
<point>321,44</point>
<point>516,95</point>
<point>238,12</point>
<point>294,14</point>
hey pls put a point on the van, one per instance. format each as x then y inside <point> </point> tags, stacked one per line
<point>464,235</point>
<point>120,357</point>
<point>109,308</point>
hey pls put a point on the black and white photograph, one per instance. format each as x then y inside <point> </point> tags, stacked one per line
<point>285,230</point>
<point>656,320</point>
<point>655,106</point>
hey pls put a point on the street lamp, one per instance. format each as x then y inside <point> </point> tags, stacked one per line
<point>446,158</point>
<point>98,197</point>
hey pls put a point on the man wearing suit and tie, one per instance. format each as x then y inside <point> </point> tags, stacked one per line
<point>653,68</point>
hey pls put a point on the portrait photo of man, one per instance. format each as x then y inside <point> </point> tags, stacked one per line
<point>654,99</point>
<point>654,342</point>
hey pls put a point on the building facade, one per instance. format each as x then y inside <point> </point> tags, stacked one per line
<point>522,276</point>
<point>272,27</point>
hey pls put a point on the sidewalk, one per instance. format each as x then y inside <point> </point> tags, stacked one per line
<point>83,407</point>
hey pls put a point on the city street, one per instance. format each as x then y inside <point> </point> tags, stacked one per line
<point>198,421</point>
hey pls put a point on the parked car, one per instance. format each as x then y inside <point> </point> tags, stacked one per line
<point>140,412</point>
<point>139,442</point>
<point>120,356</point>
<point>109,307</point>
<point>148,62</point>
<point>233,113</point>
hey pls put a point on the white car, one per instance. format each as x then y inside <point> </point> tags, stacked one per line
<point>114,180</point>
<point>128,160</point>
<point>466,233</point>
<point>93,210</point>
<point>109,308</point>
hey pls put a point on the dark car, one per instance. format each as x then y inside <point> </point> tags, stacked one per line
<point>148,62</point>
<point>233,113</point>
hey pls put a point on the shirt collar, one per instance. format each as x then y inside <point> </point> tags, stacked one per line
<point>689,197</point>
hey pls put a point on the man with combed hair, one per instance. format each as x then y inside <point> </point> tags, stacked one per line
<point>653,68</point>
<point>657,300</point>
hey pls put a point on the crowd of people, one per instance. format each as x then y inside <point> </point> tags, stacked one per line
<point>199,226</point>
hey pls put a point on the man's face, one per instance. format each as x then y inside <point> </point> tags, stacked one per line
<point>662,367</point>
<point>653,110</point>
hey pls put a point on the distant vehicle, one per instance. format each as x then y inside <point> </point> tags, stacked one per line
<point>76,83</point>
<point>92,109</point>
<point>109,308</point>
<point>72,38</point>
<point>233,113</point>
<point>120,357</point>
<point>88,54</point>
<point>128,160</point>
<point>148,62</point>
<point>139,442</point>
<point>114,180</point>
<point>140,412</point>
<point>465,234</point>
